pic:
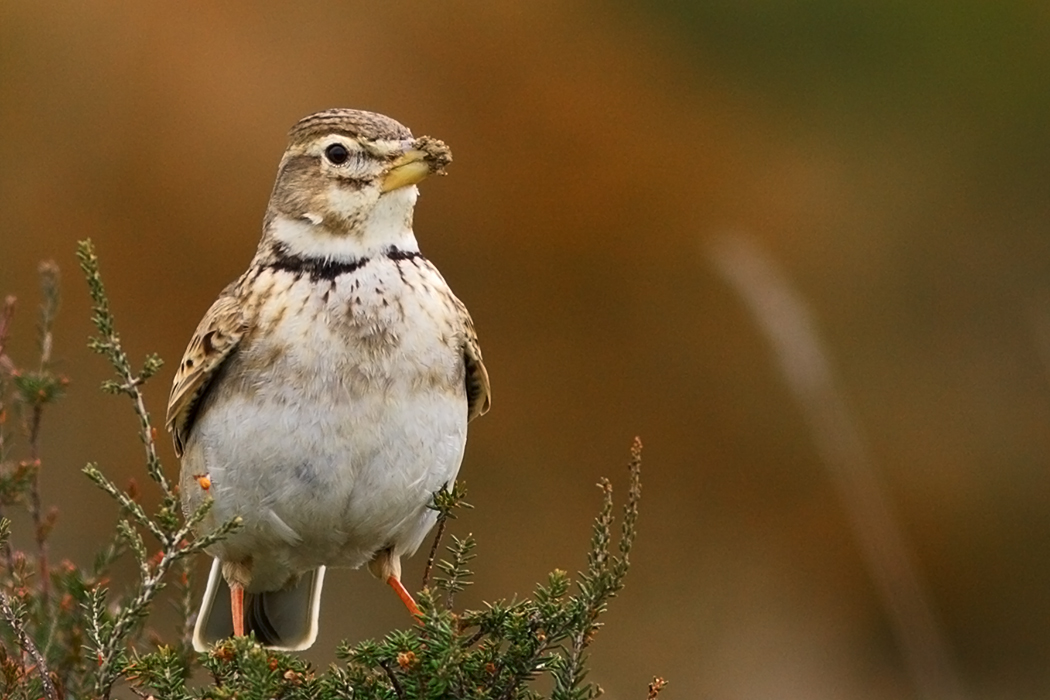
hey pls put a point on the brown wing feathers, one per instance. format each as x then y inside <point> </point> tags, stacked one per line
<point>215,338</point>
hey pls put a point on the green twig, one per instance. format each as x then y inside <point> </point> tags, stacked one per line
<point>445,502</point>
<point>108,344</point>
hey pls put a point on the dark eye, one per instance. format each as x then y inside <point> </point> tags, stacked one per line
<point>337,154</point>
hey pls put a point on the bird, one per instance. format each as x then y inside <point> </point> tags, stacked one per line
<point>324,397</point>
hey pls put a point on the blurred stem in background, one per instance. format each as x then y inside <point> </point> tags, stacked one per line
<point>782,316</point>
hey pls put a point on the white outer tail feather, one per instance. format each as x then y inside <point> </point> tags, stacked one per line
<point>300,613</point>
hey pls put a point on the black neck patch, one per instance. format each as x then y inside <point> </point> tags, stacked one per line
<point>397,254</point>
<point>318,269</point>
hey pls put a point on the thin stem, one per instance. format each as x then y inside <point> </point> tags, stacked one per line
<point>9,557</point>
<point>6,365</point>
<point>129,616</point>
<point>7,312</point>
<point>393,679</point>
<point>34,507</point>
<point>442,520</point>
<point>184,605</point>
<point>5,321</point>
<point>27,644</point>
<point>49,287</point>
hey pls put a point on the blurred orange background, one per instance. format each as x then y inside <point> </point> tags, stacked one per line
<point>895,159</point>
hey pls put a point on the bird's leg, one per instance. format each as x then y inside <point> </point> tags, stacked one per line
<point>237,575</point>
<point>402,593</point>
<point>237,605</point>
<point>386,566</point>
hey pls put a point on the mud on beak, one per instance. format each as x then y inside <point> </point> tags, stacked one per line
<point>427,156</point>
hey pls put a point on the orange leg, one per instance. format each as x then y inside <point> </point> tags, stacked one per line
<point>237,604</point>
<point>402,593</point>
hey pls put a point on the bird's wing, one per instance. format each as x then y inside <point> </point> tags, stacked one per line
<point>215,339</point>
<point>477,378</point>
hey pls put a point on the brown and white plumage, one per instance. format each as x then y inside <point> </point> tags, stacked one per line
<point>325,395</point>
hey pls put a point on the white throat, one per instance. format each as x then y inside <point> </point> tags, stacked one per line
<point>389,224</point>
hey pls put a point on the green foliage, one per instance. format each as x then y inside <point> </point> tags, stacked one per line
<point>66,635</point>
<point>457,575</point>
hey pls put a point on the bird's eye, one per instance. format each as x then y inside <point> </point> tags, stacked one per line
<point>337,154</point>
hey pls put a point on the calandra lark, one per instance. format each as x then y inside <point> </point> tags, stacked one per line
<point>324,398</point>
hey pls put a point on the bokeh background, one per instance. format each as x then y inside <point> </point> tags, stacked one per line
<point>893,157</point>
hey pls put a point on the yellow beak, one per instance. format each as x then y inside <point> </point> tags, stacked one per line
<point>407,170</point>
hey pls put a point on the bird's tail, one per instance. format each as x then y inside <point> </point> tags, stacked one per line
<point>284,620</point>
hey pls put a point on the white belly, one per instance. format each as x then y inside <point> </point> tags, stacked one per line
<point>329,433</point>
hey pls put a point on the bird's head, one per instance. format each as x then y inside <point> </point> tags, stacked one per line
<point>346,185</point>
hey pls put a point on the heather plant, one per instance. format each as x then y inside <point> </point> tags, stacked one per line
<point>66,634</point>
